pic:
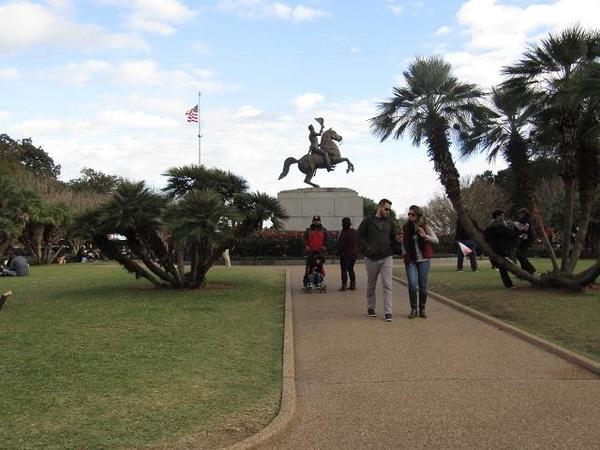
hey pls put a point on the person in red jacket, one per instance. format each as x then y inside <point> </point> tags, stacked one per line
<point>417,237</point>
<point>315,239</point>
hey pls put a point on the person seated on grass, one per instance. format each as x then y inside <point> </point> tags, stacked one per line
<point>316,273</point>
<point>17,266</point>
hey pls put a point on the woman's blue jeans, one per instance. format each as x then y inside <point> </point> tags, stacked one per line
<point>417,274</point>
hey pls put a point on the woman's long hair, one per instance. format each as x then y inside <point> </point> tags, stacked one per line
<point>411,230</point>
<point>420,222</point>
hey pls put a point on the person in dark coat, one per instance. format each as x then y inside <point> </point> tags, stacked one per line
<point>463,238</point>
<point>525,229</point>
<point>347,251</point>
<point>376,236</point>
<point>17,267</point>
<point>502,239</point>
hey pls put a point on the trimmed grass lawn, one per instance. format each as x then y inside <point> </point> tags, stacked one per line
<point>569,319</point>
<point>90,358</point>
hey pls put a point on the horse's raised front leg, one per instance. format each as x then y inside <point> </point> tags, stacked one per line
<point>350,167</point>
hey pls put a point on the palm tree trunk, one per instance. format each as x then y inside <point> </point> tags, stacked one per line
<point>538,220</point>
<point>111,251</point>
<point>569,207</point>
<point>586,200</point>
<point>518,161</point>
<point>180,250</point>
<point>37,234</point>
<point>194,262</point>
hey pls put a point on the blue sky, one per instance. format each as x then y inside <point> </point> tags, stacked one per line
<point>106,83</point>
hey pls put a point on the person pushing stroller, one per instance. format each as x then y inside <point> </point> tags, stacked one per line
<point>315,239</point>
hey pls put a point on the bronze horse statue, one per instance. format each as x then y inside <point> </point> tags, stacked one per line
<point>309,163</point>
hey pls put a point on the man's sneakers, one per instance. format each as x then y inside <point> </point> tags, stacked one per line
<point>422,314</point>
<point>413,313</point>
<point>386,317</point>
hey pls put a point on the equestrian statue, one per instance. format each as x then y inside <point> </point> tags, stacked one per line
<point>321,155</point>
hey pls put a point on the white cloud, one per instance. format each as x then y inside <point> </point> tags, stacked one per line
<point>258,9</point>
<point>245,140</point>
<point>307,101</point>
<point>142,72</point>
<point>81,73</point>
<point>393,6</point>
<point>9,73</point>
<point>247,111</point>
<point>202,48</point>
<point>4,115</point>
<point>25,24</point>
<point>497,33</point>
<point>442,31</point>
<point>155,16</point>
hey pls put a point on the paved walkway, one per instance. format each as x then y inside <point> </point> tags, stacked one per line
<point>449,381</point>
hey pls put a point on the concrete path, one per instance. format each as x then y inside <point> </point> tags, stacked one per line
<point>449,381</point>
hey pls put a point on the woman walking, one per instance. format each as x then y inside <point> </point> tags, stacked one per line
<point>346,250</point>
<point>417,238</point>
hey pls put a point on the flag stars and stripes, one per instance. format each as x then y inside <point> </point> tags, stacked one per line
<point>192,114</point>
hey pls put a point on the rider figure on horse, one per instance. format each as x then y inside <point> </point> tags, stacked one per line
<point>315,147</point>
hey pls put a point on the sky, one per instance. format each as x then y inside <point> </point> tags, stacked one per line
<point>106,83</point>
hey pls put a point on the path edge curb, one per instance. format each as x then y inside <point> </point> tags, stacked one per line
<point>568,355</point>
<point>287,406</point>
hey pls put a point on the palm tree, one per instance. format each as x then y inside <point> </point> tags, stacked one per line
<point>203,221</point>
<point>187,178</point>
<point>258,208</point>
<point>135,212</point>
<point>203,212</point>
<point>432,105</point>
<point>554,68</point>
<point>41,228</point>
<point>501,130</point>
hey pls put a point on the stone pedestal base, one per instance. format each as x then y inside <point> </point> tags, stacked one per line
<point>332,204</point>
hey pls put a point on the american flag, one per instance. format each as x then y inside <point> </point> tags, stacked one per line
<point>192,114</point>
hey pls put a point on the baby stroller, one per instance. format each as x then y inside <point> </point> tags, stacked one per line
<point>314,273</point>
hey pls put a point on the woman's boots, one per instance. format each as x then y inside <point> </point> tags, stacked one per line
<point>352,286</point>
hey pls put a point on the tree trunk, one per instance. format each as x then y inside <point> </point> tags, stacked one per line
<point>36,234</point>
<point>113,252</point>
<point>518,161</point>
<point>138,248</point>
<point>586,201</point>
<point>180,250</point>
<point>565,240</point>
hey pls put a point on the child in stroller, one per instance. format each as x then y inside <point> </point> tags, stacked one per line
<point>314,274</point>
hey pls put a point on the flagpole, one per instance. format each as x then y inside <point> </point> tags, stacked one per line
<point>199,132</point>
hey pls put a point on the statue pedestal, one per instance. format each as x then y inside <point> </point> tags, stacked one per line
<point>332,204</point>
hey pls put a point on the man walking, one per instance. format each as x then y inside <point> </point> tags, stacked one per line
<point>376,235</point>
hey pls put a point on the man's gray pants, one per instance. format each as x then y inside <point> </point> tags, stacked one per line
<point>376,267</point>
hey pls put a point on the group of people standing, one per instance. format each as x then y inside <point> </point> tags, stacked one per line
<point>509,239</point>
<point>378,238</point>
